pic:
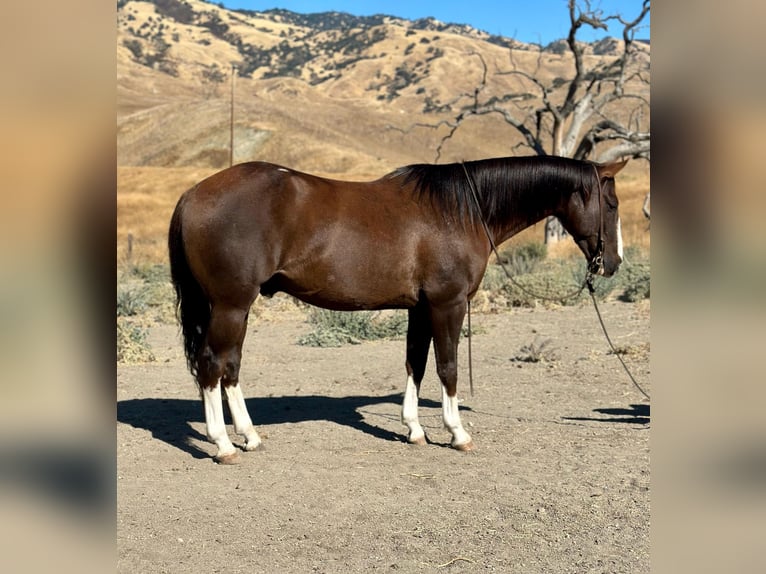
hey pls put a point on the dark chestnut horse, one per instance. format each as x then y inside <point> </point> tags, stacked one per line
<point>412,239</point>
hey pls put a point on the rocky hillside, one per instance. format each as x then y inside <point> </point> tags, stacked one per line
<point>330,92</point>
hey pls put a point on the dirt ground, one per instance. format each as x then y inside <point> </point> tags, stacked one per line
<point>559,481</point>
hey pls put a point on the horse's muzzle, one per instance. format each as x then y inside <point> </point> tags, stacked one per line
<point>607,270</point>
<point>599,266</point>
<point>596,265</point>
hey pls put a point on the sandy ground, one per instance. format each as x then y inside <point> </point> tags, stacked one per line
<point>559,481</point>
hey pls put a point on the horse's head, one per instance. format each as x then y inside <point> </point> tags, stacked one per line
<point>591,218</point>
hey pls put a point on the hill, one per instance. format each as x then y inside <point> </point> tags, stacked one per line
<point>327,93</point>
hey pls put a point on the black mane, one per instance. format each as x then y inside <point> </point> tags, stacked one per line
<point>503,185</point>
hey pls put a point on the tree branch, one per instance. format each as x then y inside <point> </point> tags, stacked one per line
<point>551,122</point>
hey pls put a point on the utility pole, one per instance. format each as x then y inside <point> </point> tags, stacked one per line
<point>231,116</point>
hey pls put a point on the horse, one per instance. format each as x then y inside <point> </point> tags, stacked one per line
<point>418,238</point>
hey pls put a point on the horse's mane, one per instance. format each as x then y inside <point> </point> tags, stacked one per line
<point>503,185</point>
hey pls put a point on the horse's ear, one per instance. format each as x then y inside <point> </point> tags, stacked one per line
<point>609,170</point>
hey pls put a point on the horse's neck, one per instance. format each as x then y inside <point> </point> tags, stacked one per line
<point>520,218</point>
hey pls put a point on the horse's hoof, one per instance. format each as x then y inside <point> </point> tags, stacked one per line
<point>233,458</point>
<point>255,447</point>
<point>421,441</point>
<point>465,447</point>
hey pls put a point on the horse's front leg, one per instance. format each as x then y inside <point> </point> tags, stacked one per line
<point>446,323</point>
<point>461,440</point>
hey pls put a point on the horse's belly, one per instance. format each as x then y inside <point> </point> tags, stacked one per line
<point>352,290</point>
<point>337,302</point>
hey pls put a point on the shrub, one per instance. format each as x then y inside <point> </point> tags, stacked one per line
<point>631,282</point>
<point>524,258</point>
<point>146,289</point>
<point>636,281</point>
<point>602,286</point>
<point>155,273</point>
<point>494,279</point>
<point>131,343</point>
<point>131,300</point>
<point>552,281</point>
<point>537,279</point>
<point>175,9</point>
<point>336,328</point>
<point>537,351</point>
<point>136,48</point>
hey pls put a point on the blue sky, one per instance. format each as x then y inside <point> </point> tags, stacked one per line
<point>540,21</point>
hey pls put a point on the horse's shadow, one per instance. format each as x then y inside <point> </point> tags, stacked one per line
<point>169,419</point>
<point>636,414</point>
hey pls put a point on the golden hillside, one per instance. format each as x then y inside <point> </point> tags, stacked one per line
<point>331,94</point>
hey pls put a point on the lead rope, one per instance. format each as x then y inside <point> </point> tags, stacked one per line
<point>470,361</point>
<point>591,291</point>
<point>588,282</point>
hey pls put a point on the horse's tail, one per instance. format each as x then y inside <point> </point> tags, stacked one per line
<point>192,305</point>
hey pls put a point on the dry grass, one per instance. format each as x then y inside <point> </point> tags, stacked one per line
<point>146,197</point>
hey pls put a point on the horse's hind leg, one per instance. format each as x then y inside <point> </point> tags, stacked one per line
<point>219,366</point>
<point>243,424</point>
<point>215,425</point>
<point>418,342</point>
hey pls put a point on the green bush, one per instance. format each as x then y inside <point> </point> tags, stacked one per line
<point>636,281</point>
<point>146,289</point>
<point>132,346</point>
<point>524,258</point>
<point>131,300</point>
<point>602,286</point>
<point>537,279</point>
<point>494,279</point>
<point>337,328</point>
<point>553,281</point>
<point>632,281</point>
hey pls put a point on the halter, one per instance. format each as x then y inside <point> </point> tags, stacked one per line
<point>596,263</point>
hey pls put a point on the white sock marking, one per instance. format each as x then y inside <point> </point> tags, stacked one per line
<point>216,428</point>
<point>243,424</point>
<point>619,239</point>
<point>451,416</point>
<point>410,412</point>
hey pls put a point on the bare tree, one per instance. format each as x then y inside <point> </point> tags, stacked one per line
<point>572,116</point>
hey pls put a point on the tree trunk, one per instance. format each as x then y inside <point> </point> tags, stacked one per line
<point>554,231</point>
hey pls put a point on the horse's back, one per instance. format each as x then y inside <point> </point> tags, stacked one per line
<point>338,244</point>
